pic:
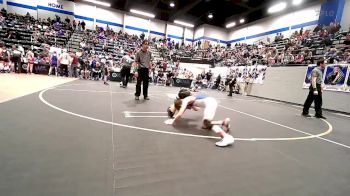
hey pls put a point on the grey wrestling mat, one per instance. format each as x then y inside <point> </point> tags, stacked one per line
<point>85,138</point>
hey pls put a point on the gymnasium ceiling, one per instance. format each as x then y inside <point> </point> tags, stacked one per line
<point>196,11</point>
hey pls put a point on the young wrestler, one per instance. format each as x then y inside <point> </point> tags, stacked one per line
<point>186,100</point>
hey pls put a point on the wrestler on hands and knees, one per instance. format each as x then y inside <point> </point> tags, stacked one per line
<point>186,100</point>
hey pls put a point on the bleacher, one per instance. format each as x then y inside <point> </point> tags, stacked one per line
<point>24,37</point>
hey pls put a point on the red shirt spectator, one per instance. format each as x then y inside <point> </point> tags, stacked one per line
<point>74,59</point>
<point>299,58</point>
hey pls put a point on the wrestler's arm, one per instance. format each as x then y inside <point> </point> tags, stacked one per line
<point>183,107</point>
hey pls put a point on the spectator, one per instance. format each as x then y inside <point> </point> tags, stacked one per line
<point>288,58</point>
<point>54,63</point>
<point>209,75</point>
<point>30,60</point>
<point>67,20</point>
<point>308,56</point>
<point>4,58</point>
<point>347,40</point>
<point>73,68</point>
<point>96,70</point>
<point>83,25</point>
<point>217,81</point>
<point>126,62</point>
<point>232,82</point>
<point>16,58</point>
<point>299,58</point>
<point>64,61</point>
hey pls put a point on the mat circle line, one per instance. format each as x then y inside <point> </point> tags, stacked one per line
<point>309,136</point>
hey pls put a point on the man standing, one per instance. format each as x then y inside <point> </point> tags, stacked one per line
<point>315,93</point>
<point>64,62</point>
<point>72,70</point>
<point>143,64</point>
<point>232,83</point>
<point>209,75</point>
<point>126,66</point>
<point>16,58</point>
<point>83,25</point>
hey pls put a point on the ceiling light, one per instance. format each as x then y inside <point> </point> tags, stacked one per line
<point>142,13</point>
<point>99,3</point>
<point>241,21</point>
<point>210,15</point>
<point>172,4</point>
<point>297,2</point>
<point>277,7</point>
<point>183,23</point>
<point>232,24</point>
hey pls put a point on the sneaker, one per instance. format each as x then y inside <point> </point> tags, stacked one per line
<point>306,115</point>
<point>105,83</point>
<point>226,141</point>
<point>320,116</point>
<point>146,98</point>
<point>137,98</point>
<point>226,125</point>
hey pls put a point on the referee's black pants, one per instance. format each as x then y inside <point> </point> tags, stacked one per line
<point>125,74</point>
<point>143,77</point>
<point>311,98</point>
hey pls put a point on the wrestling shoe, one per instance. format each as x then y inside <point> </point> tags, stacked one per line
<point>226,141</point>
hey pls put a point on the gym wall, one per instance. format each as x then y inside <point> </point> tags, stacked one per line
<point>82,12</point>
<point>136,25</point>
<point>21,7</point>
<point>345,22</point>
<point>110,17</point>
<point>284,23</point>
<point>198,34</point>
<point>175,32</point>
<point>157,28</point>
<point>215,35</point>
<point>285,84</point>
<point>50,8</point>
<point>94,15</point>
<point>188,35</point>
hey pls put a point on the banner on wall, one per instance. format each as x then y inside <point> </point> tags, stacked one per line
<point>257,73</point>
<point>335,77</point>
<point>307,79</point>
<point>347,85</point>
